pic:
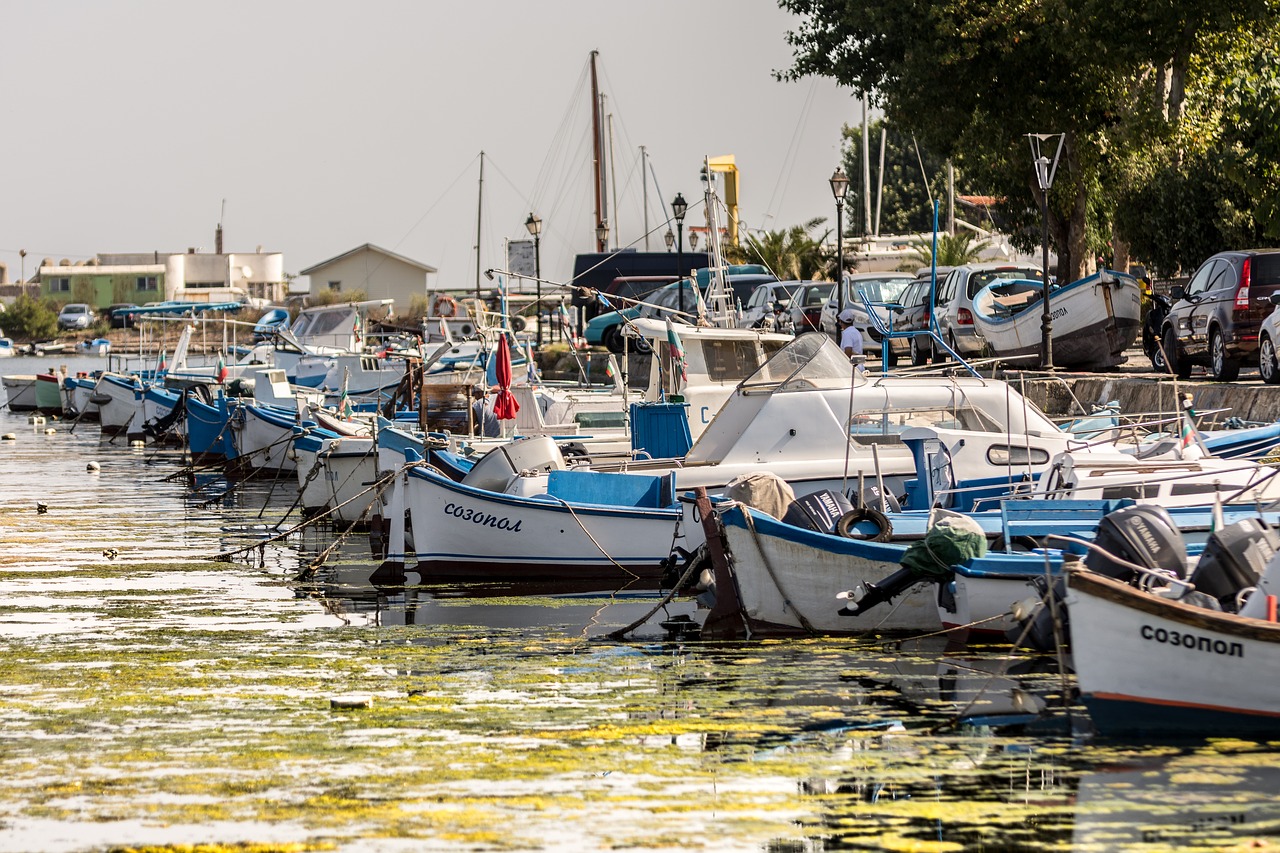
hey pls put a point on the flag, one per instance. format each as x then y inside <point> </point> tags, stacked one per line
<point>531,365</point>
<point>677,351</point>
<point>604,300</point>
<point>1187,436</point>
<point>564,316</point>
<point>356,330</point>
<point>608,369</point>
<point>221,373</point>
<point>344,402</point>
<point>164,362</point>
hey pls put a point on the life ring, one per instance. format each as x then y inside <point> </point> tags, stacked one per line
<point>847,524</point>
<point>444,306</point>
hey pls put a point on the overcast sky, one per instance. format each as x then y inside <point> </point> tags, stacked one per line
<point>325,125</point>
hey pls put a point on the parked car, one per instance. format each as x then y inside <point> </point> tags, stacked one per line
<point>1217,319</point>
<point>879,287</point>
<point>76,315</point>
<point>760,302</point>
<point>806,305</point>
<point>121,316</point>
<point>912,315</point>
<point>954,301</point>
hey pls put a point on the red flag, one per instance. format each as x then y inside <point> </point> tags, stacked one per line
<point>222,370</point>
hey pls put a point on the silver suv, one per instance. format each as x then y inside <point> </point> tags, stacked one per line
<point>955,301</point>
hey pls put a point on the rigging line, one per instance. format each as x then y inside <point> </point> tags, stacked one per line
<point>789,161</point>
<point>563,129</point>
<point>923,173</point>
<point>524,196</point>
<point>436,203</point>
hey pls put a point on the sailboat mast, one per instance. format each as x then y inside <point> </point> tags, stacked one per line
<point>644,193</point>
<point>597,155</point>
<point>613,182</point>
<point>479,210</point>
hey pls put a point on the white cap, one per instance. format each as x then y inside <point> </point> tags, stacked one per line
<point>846,316</point>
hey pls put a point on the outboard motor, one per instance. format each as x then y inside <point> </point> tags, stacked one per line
<point>1144,534</point>
<point>818,511</point>
<point>1233,560</point>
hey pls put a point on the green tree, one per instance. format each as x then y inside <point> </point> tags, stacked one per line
<point>972,77</point>
<point>30,318</point>
<point>791,254</point>
<point>953,250</point>
<point>906,204</point>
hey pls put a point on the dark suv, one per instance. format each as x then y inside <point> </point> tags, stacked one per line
<point>1215,319</point>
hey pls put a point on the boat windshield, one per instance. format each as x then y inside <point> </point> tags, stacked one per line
<point>810,361</point>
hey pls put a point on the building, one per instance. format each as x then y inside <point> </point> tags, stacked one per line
<point>255,278</point>
<point>373,271</point>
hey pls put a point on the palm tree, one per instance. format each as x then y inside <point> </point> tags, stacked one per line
<point>792,254</point>
<point>953,250</point>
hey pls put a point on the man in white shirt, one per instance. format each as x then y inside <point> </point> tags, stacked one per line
<point>850,337</point>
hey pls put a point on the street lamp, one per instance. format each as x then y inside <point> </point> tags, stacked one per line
<point>534,224</point>
<point>679,207</point>
<point>839,186</point>
<point>669,238</point>
<point>22,253</point>
<point>693,239</point>
<point>1045,171</point>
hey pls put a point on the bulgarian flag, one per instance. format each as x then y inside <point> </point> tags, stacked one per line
<point>221,373</point>
<point>356,329</point>
<point>677,351</point>
<point>164,362</point>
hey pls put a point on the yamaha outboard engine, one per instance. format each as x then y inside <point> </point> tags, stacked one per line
<point>1233,560</point>
<point>1144,534</point>
<point>818,511</point>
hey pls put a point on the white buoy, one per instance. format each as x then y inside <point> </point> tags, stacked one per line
<point>137,443</point>
<point>93,466</point>
<point>50,431</point>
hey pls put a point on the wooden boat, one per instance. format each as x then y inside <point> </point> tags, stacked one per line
<point>20,391</point>
<point>1095,319</point>
<point>1150,665</point>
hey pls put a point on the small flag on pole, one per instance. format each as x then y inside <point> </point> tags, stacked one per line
<point>677,351</point>
<point>531,365</point>
<point>356,330</point>
<point>221,374</point>
<point>164,362</point>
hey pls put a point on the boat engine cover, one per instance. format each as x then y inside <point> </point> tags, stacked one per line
<point>818,511</point>
<point>1144,534</point>
<point>1233,559</point>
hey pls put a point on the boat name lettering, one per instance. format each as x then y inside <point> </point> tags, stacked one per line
<point>484,519</point>
<point>1191,641</point>
<point>1057,313</point>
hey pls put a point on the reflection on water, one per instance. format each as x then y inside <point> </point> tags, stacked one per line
<point>151,695</point>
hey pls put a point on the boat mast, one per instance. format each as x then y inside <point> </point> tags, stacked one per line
<point>613,181</point>
<point>479,209</point>
<point>597,155</point>
<point>644,192</point>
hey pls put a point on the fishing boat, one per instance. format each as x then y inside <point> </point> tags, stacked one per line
<point>1095,319</point>
<point>20,392</point>
<point>49,393</point>
<point>7,349</point>
<point>1153,660</point>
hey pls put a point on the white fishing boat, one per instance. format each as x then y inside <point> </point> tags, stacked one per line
<point>20,392</point>
<point>118,397</point>
<point>1095,319</point>
<point>1150,664</point>
<point>7,349</point>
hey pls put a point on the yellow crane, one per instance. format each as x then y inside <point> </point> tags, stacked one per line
<point>726,165</point>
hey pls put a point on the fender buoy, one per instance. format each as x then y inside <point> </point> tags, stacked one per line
<point>847,525</point>
<point>444,306</point>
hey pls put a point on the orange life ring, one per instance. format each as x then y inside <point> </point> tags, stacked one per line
<point>444,306</point>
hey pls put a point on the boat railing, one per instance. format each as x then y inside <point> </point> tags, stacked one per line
<point>888,334</point>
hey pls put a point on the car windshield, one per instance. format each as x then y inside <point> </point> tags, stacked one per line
<point>881,290</point>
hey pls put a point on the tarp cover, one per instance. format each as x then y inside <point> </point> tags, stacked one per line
<point>761,490</point>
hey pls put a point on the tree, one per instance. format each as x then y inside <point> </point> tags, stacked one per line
<point>30,318</point>
<point>906,206</point>
<point>792,254</point>
<point>972,77</point>
<point>953,251</point>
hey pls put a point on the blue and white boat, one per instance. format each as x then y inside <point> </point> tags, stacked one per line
<point>1095,319</point>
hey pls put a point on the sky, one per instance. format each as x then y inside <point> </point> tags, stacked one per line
<point>310,127</point>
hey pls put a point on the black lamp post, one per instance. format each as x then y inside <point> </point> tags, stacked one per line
<point>678,209</point>
<point>669,238</point>
<point>839,186</point>
<point>602,239</point>
<point>534,224</point>
<point>1045,170</point>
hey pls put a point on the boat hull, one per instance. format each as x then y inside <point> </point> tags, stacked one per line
<point>463,532</point>
<point>1151,666</point>
<point>119,410</point>
<point>20,392</point>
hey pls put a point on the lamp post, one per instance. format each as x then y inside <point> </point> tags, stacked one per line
<point>22,253</point>
<point>693,239</point>
<point>839,186</point>
<point>534,224</point>
<point>1045,171</point>
<point>669,238</point>
<point>679,207</point>
<point>602,239</point>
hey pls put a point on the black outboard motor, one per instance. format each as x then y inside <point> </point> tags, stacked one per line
<point>1233,559</point>
<point>872,498</point>
<point>817,511</point>
<point>1144,534</point>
